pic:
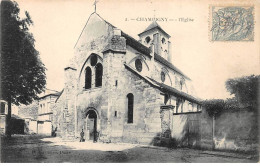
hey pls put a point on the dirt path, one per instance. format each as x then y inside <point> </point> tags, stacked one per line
<point>38,149</point>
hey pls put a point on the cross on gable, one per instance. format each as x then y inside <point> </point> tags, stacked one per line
<point>95,4</point>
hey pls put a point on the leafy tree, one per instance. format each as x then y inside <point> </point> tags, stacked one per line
<point>245,89</point>
<point>214,107</point>
<point>22,72</point>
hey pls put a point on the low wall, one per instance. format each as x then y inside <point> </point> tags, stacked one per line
<point>235,130</point>
<point>33,127</point>
<point>189,129</point>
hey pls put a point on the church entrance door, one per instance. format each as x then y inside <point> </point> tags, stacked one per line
<point>91,132</point>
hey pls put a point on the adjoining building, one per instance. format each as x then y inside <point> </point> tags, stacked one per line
<point>45,112</point>
<point>38,116</point>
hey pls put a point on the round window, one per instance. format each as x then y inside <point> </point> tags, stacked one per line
<point>162,76</point>
<point>138,65</point>
<point>93,60</point>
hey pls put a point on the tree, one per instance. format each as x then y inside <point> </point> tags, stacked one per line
<point>245,89</point>
<point>22,72</point>
<point>214,106</point>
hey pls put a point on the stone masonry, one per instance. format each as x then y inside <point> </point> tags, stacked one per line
<point>128,67</point>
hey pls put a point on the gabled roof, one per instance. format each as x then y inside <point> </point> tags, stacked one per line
<point>59,95</point>
<point>140,47</point>
<point>51,94</point>
<point>92,14</point>
<point>152,26</point>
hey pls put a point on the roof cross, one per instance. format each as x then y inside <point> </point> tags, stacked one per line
<point>95,4</point>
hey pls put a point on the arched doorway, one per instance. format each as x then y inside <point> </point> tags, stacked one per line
<point>91,126</point>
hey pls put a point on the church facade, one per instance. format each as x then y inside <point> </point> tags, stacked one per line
<point>118,89</point>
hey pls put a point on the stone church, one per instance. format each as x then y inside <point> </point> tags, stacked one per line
<point>119,89</point>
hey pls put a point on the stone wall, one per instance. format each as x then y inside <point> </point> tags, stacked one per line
<point>237,130</point>
<point>118,83</point>
<point>147,102</point>
<point>109,101</point>
<point>186,129</point>
<point>58,112</point>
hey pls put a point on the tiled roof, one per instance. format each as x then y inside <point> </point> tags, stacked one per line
<point>167,88</point>
<point>143,49</point>
<point>154,25</point>
<point>141,76</point>
<point>162,87</point>
<point>146,51</point>
<point>137,45</point>
<point>170,65</point>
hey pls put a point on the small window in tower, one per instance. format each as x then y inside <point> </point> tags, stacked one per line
<point>115,113</point>
<point>162,76</point>
<point>138,65</point>
<point>182,82</point>
<point>147,39</point>
<point>163,40</point>
<point>93,60</point>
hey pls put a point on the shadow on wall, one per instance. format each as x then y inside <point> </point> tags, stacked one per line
<point>160,140</point>
<point>183,134</point>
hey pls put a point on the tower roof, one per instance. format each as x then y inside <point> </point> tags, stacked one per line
<point>154,25</point>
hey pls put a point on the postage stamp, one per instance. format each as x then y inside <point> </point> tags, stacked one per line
<point>231,23</point>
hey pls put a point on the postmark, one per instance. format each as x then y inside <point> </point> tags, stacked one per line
<point>231,23</point>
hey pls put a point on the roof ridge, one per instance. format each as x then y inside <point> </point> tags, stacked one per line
<point>146,50</point>
<point>154,25</point>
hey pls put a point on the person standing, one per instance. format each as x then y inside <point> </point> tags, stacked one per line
<point>82,136</point>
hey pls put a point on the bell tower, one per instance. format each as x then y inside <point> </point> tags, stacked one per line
<point>161,40</point>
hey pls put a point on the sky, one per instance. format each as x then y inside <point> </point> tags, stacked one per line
<point>58,24</point>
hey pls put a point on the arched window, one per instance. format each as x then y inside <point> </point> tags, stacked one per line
<point>147,39</point>
<point>138,65</point>
<point>130,112</point>
<point>99,73</point>
<point>162,76</point>
<point>163,40</point>
<point>88,74</point>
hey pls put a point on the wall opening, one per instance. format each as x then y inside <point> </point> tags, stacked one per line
<point>99,74</point>
<point>130,111</point>
<point>88,75</point>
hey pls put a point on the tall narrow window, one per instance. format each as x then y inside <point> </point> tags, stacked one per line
<point>99,73</point>
<point>88,78</point>
<point>130,98</point>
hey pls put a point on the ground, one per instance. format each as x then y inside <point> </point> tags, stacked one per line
<point>21,148</point>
